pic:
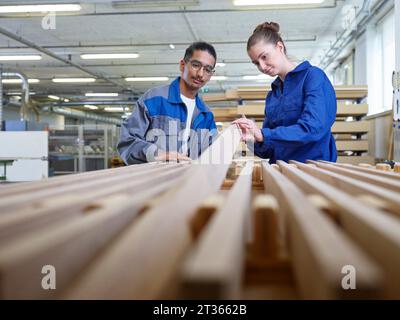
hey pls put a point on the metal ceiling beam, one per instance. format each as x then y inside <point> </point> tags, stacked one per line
<point>166,44</point>
<point>55,56</point>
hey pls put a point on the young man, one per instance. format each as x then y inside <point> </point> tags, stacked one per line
<point>171,122</point>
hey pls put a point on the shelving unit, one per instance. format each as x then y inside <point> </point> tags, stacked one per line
<point>80,148</point>
<point>349,130</point>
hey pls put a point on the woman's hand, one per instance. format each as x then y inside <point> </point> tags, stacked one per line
<point>250,131</point>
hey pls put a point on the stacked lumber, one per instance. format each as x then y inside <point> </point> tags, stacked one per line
<point>349,129</point>
<point>215,228</point>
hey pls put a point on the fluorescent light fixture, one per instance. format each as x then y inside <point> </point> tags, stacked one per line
<point>258,77</point>
<point>220,64</point>
<point>94,94</point>
<point>40,8</point>
<point>109,56</point>
<point>91,107</point>
<point>31,93</point>
<point>171,46</point>
<point>73,80</point>
<point>114,109</point>
<point>53,97</point>
<point>218,78</point>
<point>274,2</point>
<point>19,81</point>
<point>143,79</point>
<point>29,57</point>
<point>66,100</point>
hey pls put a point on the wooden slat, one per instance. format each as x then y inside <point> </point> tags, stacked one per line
<point>355,159</point>
<point>214,269</point>
<point>251,110</point>
<point>350,127</point>
<point>67,247</point>
<point>143,262</point>
<point>372,170</point>
<point>356,187</point>
<point>318,248</point>
<point>348,110</point>
<point>373,179</point>
<point>377,232</point>
<point>66,207</point>
<point>79,186</point>
<point>352,145</point>
<point>55,182</point>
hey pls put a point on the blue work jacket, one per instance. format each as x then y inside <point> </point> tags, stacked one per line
<point>299,114</point>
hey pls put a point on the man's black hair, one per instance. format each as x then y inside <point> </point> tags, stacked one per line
<point>203,46</point>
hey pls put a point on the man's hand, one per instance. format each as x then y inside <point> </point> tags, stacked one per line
<point>172,156</point>
<point>250,131</point>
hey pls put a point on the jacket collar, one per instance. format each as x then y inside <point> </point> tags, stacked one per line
<point>174,95</point>
<point>301,67</point>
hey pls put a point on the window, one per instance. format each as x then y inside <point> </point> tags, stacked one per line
<point>381,64</point>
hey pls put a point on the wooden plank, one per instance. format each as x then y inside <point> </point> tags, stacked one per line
<point>251,110</point>
<point>355,159</point>
<point>370,170</point>
<point>55,182</point>
<point>350,127</point>
<point>351,92</point>
<point>79,186</point>
<point>356,187</point>
<point>352,145</point>
<point>348,110</point>
<point>362,176</point>
<point>67,247</point>
<point>265,243</point>
<point>155,256</point>
<point>318,248</point>
<point>377,232</point>
<point>214,269</point>
<point>65,207</point>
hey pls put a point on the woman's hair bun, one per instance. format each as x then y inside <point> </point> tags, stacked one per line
<point>273,26</point>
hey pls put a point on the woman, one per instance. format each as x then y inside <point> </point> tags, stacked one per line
<point>300,108</point>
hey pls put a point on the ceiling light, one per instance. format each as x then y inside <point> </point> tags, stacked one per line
<point>73,80</point>
<point>19,81</point>
<point>91,107</point>
<point>53,97</point>
<point>110,94</point>
<point>218,78</point>
<point>66,100</point>
<point>40,8</point>
<point>114,109</point>
<point>110,56</point>
<point>142,79</point>
<point>21,57</point>
<point>172,46</point>
<point>17,93</point>
<point>274,2</point>
<point>220,64</point>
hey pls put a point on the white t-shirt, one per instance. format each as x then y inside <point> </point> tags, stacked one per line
<point>190,105</point>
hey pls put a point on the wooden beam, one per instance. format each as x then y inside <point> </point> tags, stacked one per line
<point>349,110</point>
<point>155,256</point>
<point>67,247</point>
<point>350,127</point>
<point>318,248</point>
<point>355,187</point>
<point>369,170</point>
<point>377,232</point>
<point>362,176</point>
<point>69,206</point>
<point>355,159</point>
<point>214,269</point>
<point>352,145</point>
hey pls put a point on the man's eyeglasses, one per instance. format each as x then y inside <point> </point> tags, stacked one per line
<point>197,65</point>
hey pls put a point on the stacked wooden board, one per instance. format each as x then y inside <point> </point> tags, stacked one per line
<point>349,129</point>
<point>216,228</point>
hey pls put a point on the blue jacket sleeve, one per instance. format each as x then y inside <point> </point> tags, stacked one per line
<point>133,147</point>
<point>316,119</point>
